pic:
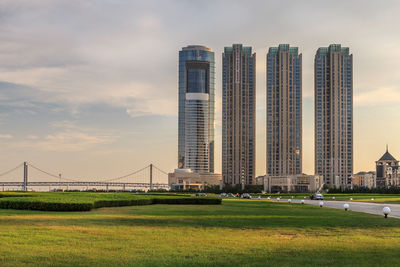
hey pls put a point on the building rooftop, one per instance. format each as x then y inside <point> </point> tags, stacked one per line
<point>387,157</point>
<point>197,47</point>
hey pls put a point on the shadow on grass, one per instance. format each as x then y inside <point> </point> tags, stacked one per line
<point>231,214</point>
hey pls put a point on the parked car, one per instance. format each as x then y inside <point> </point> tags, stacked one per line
<point>201,194</point>
<point>317,197</point>
<point>246,195</point>
<point>223,195</point>
<point>230,195</point>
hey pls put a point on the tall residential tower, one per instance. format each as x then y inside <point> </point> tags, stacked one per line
<point>238,115</point>
<point>334,115</point>
<point>284,111</point>
<point>196,109</point>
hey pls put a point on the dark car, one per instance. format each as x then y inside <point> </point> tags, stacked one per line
<point>317,197</point>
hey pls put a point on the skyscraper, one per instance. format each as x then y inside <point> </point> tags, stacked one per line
<point>238,115</point>
<point>196,109</point>
<point>334,115</point>
<point>284,114</point>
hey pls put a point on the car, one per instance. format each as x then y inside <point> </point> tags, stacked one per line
<point>201,194</point>
<point>317,197</point>
<point>223,195</point>
<point>246,195</point>
<point>230,195</point>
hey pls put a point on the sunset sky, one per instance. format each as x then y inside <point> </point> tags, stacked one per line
<point>89,88</point>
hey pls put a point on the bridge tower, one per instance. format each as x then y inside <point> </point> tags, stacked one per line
<point>25,185</point>
<point>151,176</point>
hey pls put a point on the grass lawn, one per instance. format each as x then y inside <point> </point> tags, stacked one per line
<point>236,233</point>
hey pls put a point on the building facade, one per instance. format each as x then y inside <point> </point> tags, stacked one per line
<point>238,115</point>
<point>334,115</point>
<point>196,109</point>
<point>293,183</point>
<point>365,179</point>
<point>284,111</point>
<point>185,179</point>
<point>387,171</point>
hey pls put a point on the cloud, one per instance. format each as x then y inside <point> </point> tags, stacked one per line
<point>380,96</point>
<point>72,141</point>
<point>65,136</point>
<point>6,136</point>
<point>148,107</point>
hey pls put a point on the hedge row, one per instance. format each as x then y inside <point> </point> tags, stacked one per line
<point>46,206</point>
<point>60,206</point>
<point>188,201</point>
<point>122,202</point>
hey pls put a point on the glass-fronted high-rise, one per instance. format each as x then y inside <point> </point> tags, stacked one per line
<point>238,115</point>
<point>284,104</point>
<point>196,109</point>
<point>334,115</point>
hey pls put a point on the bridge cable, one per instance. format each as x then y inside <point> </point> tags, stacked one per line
<point>160,170</point>
<point>50,174</point>
<point>11,170</point>
<point>124,176</point>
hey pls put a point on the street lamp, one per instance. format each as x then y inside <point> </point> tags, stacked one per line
<point>386,211</point>
<point>278,198</point>
<point>321,204</point>
<point>302,201</point>
<point>372,199</point>
<point>289,200</point>
<point>333,198</point>
<point>346,206</point>
<point>351,199</point>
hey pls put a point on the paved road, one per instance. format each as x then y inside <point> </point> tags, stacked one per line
<point>373,208</point>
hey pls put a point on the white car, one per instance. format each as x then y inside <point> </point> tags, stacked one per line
<point>246,195</point>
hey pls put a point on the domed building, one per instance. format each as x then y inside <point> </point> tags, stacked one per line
<point>387,171</point>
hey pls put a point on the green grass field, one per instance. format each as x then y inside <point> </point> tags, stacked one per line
<point>236,233</point>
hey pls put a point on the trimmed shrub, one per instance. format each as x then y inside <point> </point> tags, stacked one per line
<point>120,203</point>
<point>188,201</point>
<point>87,202</point>
<point>45,206</point>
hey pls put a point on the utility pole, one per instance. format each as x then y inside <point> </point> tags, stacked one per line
<point>151,176</point>
<point>24,187</point>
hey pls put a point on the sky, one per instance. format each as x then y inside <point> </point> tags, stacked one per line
<point>89,89</point>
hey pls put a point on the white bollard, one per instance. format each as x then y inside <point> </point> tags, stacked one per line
<point>346,206</point>
<point>386,211</point>
<point>321,204</point>
<point>302,201</point>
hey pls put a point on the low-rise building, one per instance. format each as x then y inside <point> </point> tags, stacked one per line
<point>185,179</point>
<point>365,179</point>
<point>293,183</point>
<point>260,180</point>
<point>387,171</point>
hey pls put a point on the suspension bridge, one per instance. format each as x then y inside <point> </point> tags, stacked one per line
<point>149,177</point>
